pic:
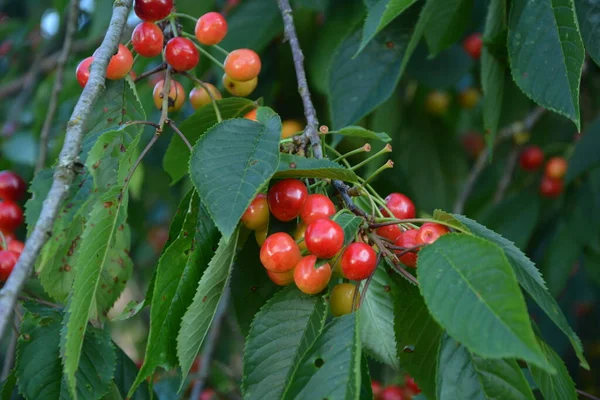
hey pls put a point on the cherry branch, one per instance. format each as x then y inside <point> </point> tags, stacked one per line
<point>481,162</point>
<point>67,163</point>
<point>509,169</point>
<point>58,83</point>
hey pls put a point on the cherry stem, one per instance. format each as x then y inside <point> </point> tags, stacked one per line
<point>186,16</point>
<point>389,164</point>
<point>154,70</point>
<point>210,94</point>
<point>173,25</point>
<point>393,221</point>
<point>153,124</point>
<point>219,48</point>
<point>206,53</point>
<point>181,135</point>
<point>138,161</point>
<point>386,149</point>
<point>362,149</point>
<point>4,244</point>
<point>392,257</point>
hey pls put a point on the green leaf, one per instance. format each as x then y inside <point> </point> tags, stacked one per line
<point>331,368</point>
<point>250,285</point>
<point>350,223</point>
<point>462,375</point>
<point>8,386</point>
<point>380,14</point>
<point>563,252</point>
<point>124,376</point>
<point>376,316</point>
<point>200,314</point>
<point>38,365</point>
<point>360,132</point>
<point>450,220</point>
<point>493,71</point>
<point>292,166</point>
<point>449,19</point>
<point>417,335</point>
<point>442,72</point>
<point>467,282</point>
<point>546,54</point>
<point>588,14</point>
<point>281,333</point>
<point>530,279</point>
<point>176,157</point>
<point>557,386</point>
<point>232,162</point>
<point>353,93</point>
<point>586,155</point>
<point>179,269</point>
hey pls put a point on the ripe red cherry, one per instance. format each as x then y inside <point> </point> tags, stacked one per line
<point>211,28</point>
<point>411,385</point>
<point>120,64</point>
<point>430,232</point>
<point>390,232</point>
<point>242,65</point>
<point>400,205</point>
<point>317,206</point>
<point>83,71</point>
<point>359,260</point>
<point>152,10</point>
<point>280,253</point>
<point>256,216</point>
<point>551,187</point>
<point>8,259</point>
<point>181,54</point>
<point>531,158</point>
<point>286,199</point>
<point>147,39</point>
<point>12,187</point>
<point>556,168</point>
<point>311,280</point>
<point>473,44</point>
<point>281,278</point>
<point>11,216</point>
<point>324,238</point>
<point>16,246</point>
<point>392,393</point>
<point>407,240</point>
<point>376,388</point>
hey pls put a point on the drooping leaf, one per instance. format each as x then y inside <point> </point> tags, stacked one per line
<point>462,375</point>
<point>557,386</point>
<point>354,93</point>
<point>417,335</point>
<point>292,166</point>
<point>380,13</point>
<point>448,21</point>
<point>376,316</point>
<point>360,132</point>
<point>588,14</point>
<point>586,155</point>
<point>176,157</point>
<point>331,368</point>
<point>230,164</point>
<point>467,282</point>
<point>280,334</point>
<point>201,312</point>
<point>546,54</point>
<point>531,280</point>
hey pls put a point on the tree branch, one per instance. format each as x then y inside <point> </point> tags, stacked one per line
<point>509,169</point>
<point>67,163</point>
<point>481,162</point>
<point>58,83</point>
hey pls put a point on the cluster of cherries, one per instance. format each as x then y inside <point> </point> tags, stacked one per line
<point>241,66</point>
<point>551,185</point>
<point>12,189</point>
<point>395,392</point>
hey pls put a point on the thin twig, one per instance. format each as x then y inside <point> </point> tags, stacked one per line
<point>68,163</point>
<point>587,395</point>
<point>481,162</point>
<point>152,71</point>
<point>509,169</point>
<point>181,135</point>
<point>58,83</point>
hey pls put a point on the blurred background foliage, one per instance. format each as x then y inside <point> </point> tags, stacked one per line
<point>431,152</point>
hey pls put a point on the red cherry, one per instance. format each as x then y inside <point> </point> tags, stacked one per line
<point>256,216</point>
<point>359,260</point>
<point>286,199</point>
<point>11,216</point>
<point>473,143</point>
<point>407,240</point>
<point>473,44</point>
<point>324,238</point>
<point>311,280</point>
<point>281,278</point>
<point>16,246</point>
<point>376,388</point>
<point>181,54</point>
<point>83,71</point>
<point>392,393</point>
<point>551,187</point>
<point>430,232</point>
<point>279,253</point>
<point>400,205</point>
<point>12,186</point>
<point>242,65</point>
<point>390,232</point>
<point>211,28</point>
<point>317,206</point>
<point>147,39</point>
<point>411,385</point>
<point>120,64</point>
<point>531,158</point>
<point>8,259</point>
<point>556,168</point>
<point>207,394</point>
<point>152,10</point>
